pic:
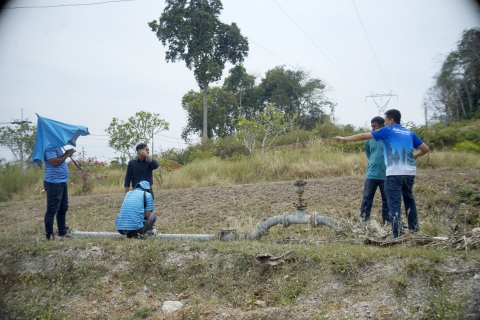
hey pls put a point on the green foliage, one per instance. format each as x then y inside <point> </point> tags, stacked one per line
<point>295,94</point>
<point>456,93</point>
<point>15,182</point>
<point>351,147</point>
<point>267,126</point>
<point>292,93</point>
<point>459,136</point>
<point>168,164</point>
<point>124,136</point>
<point>92,172</point>
<point>467,194</point>
<point>467,146</point>
<point>20,140</point>
<point>222,109</point>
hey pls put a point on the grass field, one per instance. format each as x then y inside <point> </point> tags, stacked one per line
<point>328,275</point>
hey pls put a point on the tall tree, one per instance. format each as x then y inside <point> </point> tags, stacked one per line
<point>124,136</point>
<point>295,93</point>
<point>221,113</point>
<point>20,140</point>
<point>194,34</point>
<point>456,85</point>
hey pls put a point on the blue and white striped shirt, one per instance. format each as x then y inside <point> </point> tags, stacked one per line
<point>132,212</point>
<point>56,174</point>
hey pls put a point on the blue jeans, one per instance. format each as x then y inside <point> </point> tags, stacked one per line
<point>57,205</point>
<point>369,189</point>
<point>397,187</point>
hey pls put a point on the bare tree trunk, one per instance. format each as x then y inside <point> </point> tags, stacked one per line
<point>468,95</point>
<point>205,111</point>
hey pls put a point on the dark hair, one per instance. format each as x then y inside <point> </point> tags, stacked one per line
<point>378,120</point>
<point>140,146</point>
<point>393,114</point>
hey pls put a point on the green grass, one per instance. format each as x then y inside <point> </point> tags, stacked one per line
<point>53,280</point>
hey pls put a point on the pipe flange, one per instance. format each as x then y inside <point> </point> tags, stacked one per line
<point>314,219</point>
<point>285,221</point>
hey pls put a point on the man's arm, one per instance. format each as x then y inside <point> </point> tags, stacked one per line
<point>424,149</point>
<point>356,137</point>
<point>147,213</point>
<point>144,153</point>
<point>128,177</point>
<point>367,149</point>
<point>55,162</point>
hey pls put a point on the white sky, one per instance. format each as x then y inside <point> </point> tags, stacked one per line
<point>87,64</point>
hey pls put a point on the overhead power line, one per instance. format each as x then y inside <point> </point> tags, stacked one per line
<point>271,53</point>
<point>371,47</point>
<point>319,48</point>
<point>318,39</point>
<point>67,5</point>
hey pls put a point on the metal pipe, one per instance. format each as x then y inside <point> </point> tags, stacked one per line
<point>85,234</point>
<point>198,237</point>
<point>321,220</point>
<point>227,235</point>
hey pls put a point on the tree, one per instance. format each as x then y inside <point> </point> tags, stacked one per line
<point>124,136</point>
<point>295,93</point>
<point>20,141</point>
<point>456,94</point>
<point>268,125</point>
<point>221,113</point>
<point>194,34</point>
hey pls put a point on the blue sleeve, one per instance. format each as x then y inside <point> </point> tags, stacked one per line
<point>150,205</point>
<point>416,140</point>
<point>380,134</point>
<point>50,155</point>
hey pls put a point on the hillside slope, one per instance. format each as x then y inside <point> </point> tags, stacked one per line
<point>329,275</point>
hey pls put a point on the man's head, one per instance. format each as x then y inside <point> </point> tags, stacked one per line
<point>141,149</point>
<point>377,123</point>
<point>392,116</point>
<point>141,146</point>
<point>144,185</point>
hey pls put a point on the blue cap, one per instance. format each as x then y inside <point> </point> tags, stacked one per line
<point>144,185</point>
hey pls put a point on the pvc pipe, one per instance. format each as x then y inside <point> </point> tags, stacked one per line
<point>198,237</point>
<point>85,234</point>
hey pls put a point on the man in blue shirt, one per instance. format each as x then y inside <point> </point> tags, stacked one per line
<point>398,148</point>
<point>141,168</point>
<point>375,177</point>
<point>55,185</point>
<point>136,216</point>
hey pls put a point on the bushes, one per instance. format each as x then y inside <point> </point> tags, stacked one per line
<point>15,183</point>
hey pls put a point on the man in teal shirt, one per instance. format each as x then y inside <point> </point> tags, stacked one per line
<point>375,175</point>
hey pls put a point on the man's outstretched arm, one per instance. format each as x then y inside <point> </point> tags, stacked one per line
<point>356,137</point>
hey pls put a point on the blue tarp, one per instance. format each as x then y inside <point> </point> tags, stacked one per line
<point>52,134</point>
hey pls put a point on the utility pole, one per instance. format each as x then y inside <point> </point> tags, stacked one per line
<point>381,108</point>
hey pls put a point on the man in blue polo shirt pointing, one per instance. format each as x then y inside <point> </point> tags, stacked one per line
<point>398,148</point>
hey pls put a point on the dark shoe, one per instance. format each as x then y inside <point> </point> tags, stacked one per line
<point>67,235</point>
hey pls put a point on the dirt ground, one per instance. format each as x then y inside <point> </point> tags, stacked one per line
<point>242,207</point>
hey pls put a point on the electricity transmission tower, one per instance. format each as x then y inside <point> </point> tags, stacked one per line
<point>381,108</point>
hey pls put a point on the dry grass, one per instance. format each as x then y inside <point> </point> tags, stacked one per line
<point>328,273</point>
